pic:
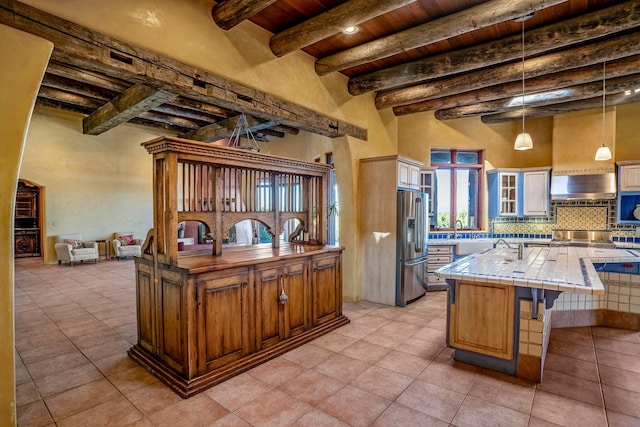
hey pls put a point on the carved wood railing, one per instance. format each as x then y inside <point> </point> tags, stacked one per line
<point>221,186</point>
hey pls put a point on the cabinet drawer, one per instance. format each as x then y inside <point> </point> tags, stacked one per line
<point>432,249</point>
<point>433,279</point>
<point>439,259</point>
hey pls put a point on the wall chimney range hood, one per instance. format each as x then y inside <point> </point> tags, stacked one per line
<point>583,187</point>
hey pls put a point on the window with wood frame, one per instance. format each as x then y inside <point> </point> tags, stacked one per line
<point>458,188</point>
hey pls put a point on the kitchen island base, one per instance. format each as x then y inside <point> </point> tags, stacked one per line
<point>496,327</point>
<point>209,318</point>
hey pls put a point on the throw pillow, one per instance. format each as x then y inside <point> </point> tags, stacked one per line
<point>126,239</point>
<point>75,244</point>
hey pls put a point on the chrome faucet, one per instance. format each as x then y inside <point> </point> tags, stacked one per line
<point>455,228</point>
<point>520,246</point>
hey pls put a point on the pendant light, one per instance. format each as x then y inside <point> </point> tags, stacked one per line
<point>603,152</point>
<point>523,140</point>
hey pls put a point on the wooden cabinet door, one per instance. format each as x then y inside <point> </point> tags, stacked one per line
<point>630,178</point>
<point>296,310</point>
<point>481,320</point>
<point>27,243</point>
<point>269,322</point>
<point>326,286</point>
<point>536,193</point>
<point>146,307</point>
<point>275,321</point>
<point>222,342</point>
<point>408,175</point>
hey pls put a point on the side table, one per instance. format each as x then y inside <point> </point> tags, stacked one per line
<point>107,248</point>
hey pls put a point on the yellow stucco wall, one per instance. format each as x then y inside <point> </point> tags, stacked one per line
<point>419,133</point>
<point>24,59</point>
<point>627,131</point>
<point>576,138</point>
<point>94,185</point>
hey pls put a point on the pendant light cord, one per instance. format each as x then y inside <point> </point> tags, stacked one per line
<point>604,95</point>
<point>523,77</point>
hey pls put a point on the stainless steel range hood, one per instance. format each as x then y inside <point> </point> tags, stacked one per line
<point>573,187</point>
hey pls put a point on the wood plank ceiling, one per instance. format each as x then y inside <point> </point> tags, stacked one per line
<point>459,58</point>
<point>462,58</point>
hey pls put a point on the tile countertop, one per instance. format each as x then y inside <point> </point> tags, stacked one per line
<point>562,268</point>
<point>525,240</point>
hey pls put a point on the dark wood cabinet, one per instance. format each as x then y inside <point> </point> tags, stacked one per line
<point>27,221</point>
<point>27,243</point>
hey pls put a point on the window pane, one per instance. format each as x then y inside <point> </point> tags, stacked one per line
<point>467,197</point>
<point>468,158</point>
<point>443,212</point>
<point>441,157</point>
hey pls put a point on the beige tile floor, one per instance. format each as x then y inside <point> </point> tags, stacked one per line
<point>388,367</point>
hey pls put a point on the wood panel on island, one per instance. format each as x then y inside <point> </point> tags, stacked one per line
<point>227,303</point>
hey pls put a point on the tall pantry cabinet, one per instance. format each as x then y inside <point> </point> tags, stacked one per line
<point>379,180</point>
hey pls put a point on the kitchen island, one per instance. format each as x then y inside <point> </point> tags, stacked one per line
<point>499,306</point>
<point>208,314</point>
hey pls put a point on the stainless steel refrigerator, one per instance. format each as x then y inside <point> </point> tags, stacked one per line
<point>411,252</point>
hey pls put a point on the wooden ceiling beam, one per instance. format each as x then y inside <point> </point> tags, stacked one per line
<point>610,49</point>
<point>285,129</point>
<point>87,77</point>
<point>271,132</point>
<point>59,95</point>
<point>617,68</point>
<point>562,108</point>
<point>61,105</point>
<point>194,105</point>
<point>79,88</point>
<point>229,13</point>
<point>175,121</point>
<point>124,107</point>
<point>330,23</point>
<point>553,96</point>
<point>583,28</point>
<point>225,128</point>
<point>186,113</point>
<point>80,47</point>
<point>455,24</point>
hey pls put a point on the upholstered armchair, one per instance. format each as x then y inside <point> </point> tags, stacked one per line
<point>125,245</point>
<point>72,248</point>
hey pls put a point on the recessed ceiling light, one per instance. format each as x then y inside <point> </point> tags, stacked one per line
<point>350,30</point>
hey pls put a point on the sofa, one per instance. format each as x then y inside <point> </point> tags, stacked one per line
<point>125,245</point>
<point>72,248</point>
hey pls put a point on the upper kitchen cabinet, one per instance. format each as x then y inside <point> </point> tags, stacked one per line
<point>629,176</point>
<point>428,186</point>
<point>503,192</point>
<point>408,173</point>
<point>535,192</point>
<point>518,192</point>
<point>628,192</point>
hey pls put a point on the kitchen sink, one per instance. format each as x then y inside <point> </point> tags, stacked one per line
<point>470,246</point>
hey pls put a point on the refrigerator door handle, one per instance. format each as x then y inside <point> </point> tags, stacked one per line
<point>417,236</point>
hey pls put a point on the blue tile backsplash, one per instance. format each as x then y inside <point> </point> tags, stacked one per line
<point>569,214</point>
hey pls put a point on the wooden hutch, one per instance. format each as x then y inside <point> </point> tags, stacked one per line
<point>206,315</point>
<point>27,220</point>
